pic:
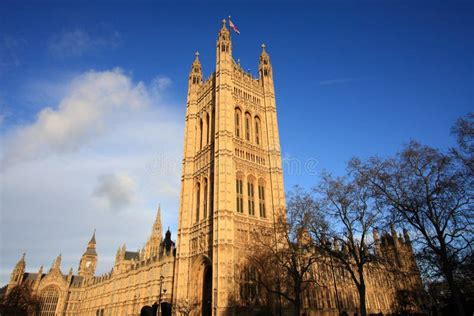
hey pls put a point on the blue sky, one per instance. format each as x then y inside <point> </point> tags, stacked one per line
<point>351,79</point>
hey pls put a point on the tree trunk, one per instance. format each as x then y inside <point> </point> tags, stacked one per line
<point>362,306</point>
<point>297,304</point>
<point>455,295</point>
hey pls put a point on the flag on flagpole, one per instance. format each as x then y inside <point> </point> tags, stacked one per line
<point>232,26</point>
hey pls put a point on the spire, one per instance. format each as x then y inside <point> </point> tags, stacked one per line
<point>224,46</point>
<point>224,26</point>
<point>375,234</point>
<point>264,65</point>
<point>406,236</point>
<point>157,230</point>
<point>21,264</point>
<point>195,75</point>
<point>91,245</point>
<point>57,263</point>
<point>22,260</point>
<point>17,274</point>
<point>196,62</point>
<point>92,241</point>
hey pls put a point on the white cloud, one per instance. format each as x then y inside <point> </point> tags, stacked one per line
<point>79,118</point>
<point>117,190</point>
<point>66,173</point>
<point>79,42</point>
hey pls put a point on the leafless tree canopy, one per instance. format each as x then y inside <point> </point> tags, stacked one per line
<point>431,193</point>
<point>347,203</point>
<point>284,257</point>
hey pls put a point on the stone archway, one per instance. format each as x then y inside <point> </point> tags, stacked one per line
<point>207,291</point>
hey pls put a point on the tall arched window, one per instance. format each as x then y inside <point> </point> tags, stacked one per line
<point>251,196</point>
<point>247,126</point>
<point>204,208</point>
<point>49,301</point>
<point>208,128</point>
<point>239,194</point>
<point>238,117</point>
<point>200,134</point>
<point>257,130</point>
<point>198,200</point>
<point>248,284</point>
<point>261,199</point>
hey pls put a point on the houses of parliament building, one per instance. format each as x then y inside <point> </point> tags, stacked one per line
<point>231,185</point>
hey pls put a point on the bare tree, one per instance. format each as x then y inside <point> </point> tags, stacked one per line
<point>284,257</point>
<point>353,214</point>
<point>432,193</point>
<point>463,129</point>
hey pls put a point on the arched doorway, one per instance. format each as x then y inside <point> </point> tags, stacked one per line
<point>165,309</point>
<point>207,292</point>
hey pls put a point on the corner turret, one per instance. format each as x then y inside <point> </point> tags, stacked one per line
<point>18,271</point>
<point>223,47</point>
<point>195,75</point>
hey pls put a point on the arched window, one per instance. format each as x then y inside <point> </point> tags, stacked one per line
<point>238,117</point>
<point>257,130</point>
<point>198,200</point>
<point>204,208</point>
<point>248,284</point>
<point>200,134</point>
<point>247,126</point>
<point>261,199</point>
<point>239,194</point>
<point>208,128</point>
<point>49,301</point>
<point>250,194</point>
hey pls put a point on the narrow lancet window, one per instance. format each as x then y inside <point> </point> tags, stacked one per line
<point>198,200</point>
<point>239,195</point>
<point>251,200</point>
<point>261,200</point>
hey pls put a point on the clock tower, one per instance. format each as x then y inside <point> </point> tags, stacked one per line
<point>88,261</point>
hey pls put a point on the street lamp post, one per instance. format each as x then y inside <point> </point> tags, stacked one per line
<point>334,280</point>
<point>158,312</point>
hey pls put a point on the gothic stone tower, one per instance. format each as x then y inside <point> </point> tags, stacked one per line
<point>232,182</point>
<point>88,261</point>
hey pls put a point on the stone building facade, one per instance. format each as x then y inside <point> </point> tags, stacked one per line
<point>135,281</point>
<point>231,186</point>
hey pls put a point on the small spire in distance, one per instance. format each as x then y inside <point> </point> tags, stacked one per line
<point>92,241</point>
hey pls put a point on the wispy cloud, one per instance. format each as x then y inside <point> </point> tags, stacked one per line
<point>79,118</point>
<point>116,190</point>
<point>83,157</point>
<point>340,80</point>
<point>79,42</point>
